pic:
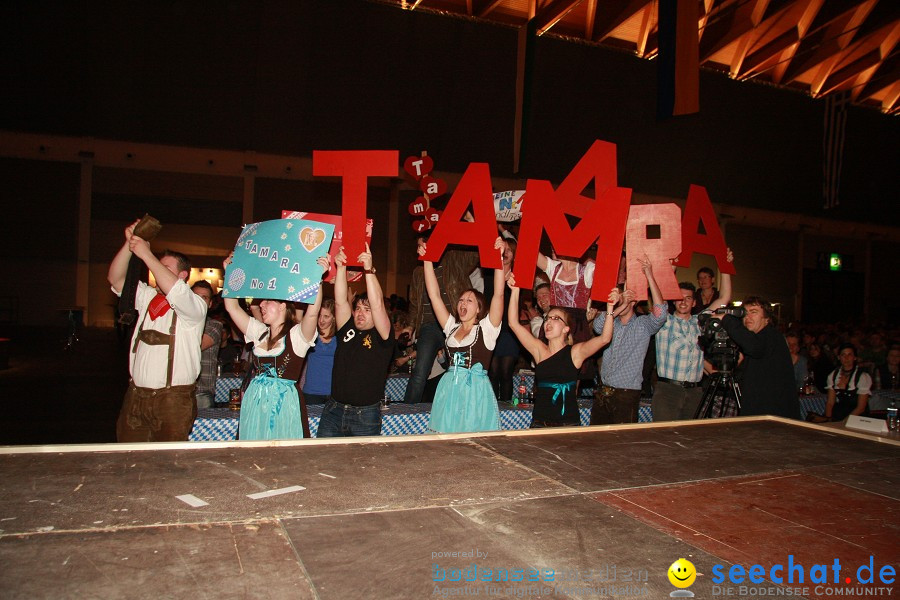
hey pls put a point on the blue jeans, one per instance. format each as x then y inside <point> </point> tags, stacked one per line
<point>430,340</point>
<point>344,420</point>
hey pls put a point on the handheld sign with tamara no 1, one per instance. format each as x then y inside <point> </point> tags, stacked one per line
<point>276,260</point>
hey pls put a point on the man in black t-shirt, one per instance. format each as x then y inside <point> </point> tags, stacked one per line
<point>365,341</point>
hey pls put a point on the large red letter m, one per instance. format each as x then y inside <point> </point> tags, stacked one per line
<point>603,217</point>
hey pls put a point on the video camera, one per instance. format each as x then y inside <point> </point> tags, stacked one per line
<point>718,347</point>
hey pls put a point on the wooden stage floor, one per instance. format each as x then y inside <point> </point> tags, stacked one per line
<point>575,513</point>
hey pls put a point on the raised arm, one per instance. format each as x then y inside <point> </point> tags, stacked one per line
<point>541,261</point>
<point>165,279</point>
<point>310,320</point>
<point>233,306</point>
<point>434,291</point>
<point>584,350</point>
<point>647,268</point>
<point>376,296</point>
<point>118,268</point>
<point>342,308</point>
<point>534,346</point>
<point>495,312</point>
<point>725,281</point>
<point>624,298</point>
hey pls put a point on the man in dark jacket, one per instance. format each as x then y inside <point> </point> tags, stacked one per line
<point>767,372</point>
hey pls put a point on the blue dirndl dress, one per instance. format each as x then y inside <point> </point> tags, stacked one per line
<point>465,400</point>
<point>270,409</point>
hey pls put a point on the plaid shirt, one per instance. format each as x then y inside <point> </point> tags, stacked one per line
<point>209,358</point>
<point>678,356</point>
<point>623,360</point>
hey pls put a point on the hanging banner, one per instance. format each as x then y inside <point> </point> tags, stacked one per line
<point>276,260</point>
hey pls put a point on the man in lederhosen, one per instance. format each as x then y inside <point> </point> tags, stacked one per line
<point>164,355</point>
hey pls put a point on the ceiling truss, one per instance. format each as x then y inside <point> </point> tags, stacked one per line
<point>821,47</point>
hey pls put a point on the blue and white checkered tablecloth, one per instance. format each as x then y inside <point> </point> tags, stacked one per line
<point>221,424</point>
<point>812,403</point>
<point>395,386</point>
<point>224,384</point>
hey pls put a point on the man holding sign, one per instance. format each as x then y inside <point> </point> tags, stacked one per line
<point>365,347</point>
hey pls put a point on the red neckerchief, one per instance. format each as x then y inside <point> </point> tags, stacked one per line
<point>158,306</point>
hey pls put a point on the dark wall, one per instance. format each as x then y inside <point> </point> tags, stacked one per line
<point>289,77</point>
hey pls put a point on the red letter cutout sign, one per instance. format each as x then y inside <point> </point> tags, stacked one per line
<point>697,209</point>
<point>668,217</point>
<point>474,187</point>
<point>355,167</point>
<point>546,210</point>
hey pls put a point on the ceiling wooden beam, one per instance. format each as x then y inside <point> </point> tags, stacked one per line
<point>869,45</point>
<point>774,48</point>
<point>550,15</point>
<point>804,23</point>
<point>889,103</point>
<point>845,74</point>
<point>886,75</point>
<point>886,51</point>
<point>644,32</point>
<point>728,25</point>
<point>831,34</point>
<point>589,18</point>
<point>482,8</point>
<point>611,14</point>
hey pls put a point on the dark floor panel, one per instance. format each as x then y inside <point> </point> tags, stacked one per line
<point>397,553</point>
<point>203,562</point>
<point>634,457</point>
<point>576,545</point>
<point>43,492</point>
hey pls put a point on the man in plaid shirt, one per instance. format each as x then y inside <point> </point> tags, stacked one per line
<point>679,359</point>
<point>621,374</point>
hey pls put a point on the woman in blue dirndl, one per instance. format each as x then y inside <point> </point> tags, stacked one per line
<point>464,400</point>
<point>270,408</point>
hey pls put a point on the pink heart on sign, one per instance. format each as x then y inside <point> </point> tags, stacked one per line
<point>311,238</point>
<point>420,226</point>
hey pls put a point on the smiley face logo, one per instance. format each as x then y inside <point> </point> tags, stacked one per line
<point>682,573</point>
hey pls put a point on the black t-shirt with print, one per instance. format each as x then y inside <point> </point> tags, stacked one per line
<point>360,365</point>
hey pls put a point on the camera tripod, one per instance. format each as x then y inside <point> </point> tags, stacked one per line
<point>722,385</point>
